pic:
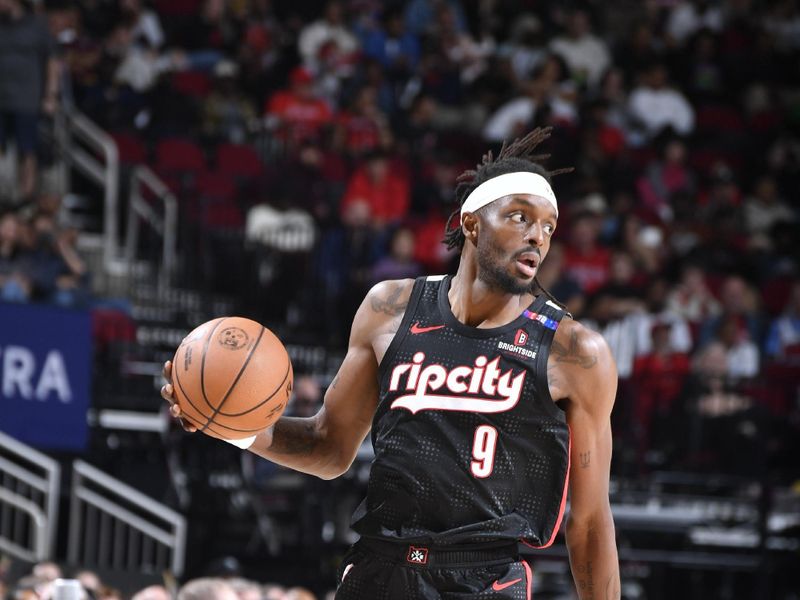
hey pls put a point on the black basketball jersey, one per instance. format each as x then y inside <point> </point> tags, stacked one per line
<point>469,446</point>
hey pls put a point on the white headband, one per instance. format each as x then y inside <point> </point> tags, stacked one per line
<point>520,182</point>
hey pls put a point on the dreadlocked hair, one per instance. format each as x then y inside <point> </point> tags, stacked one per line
<point>514,157</point>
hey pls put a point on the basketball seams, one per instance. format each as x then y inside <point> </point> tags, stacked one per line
<point>217,410</point>
<point>185,395</point>
<point>268,398</point>
<point>203,363</point>
<point>219,434</point>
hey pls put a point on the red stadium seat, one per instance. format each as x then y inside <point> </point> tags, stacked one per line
<point>239,161</point>
<point>177,8</point>
<point>111,325</point>
<point>191,83</point>
<point>176,154</point>
<point>131,149</point>
<point>216,198</point>
<point>719,119</point>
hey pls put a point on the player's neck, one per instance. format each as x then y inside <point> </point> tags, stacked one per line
<point>476,304</point>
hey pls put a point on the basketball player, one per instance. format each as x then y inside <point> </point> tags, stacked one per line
<point>485,401</point>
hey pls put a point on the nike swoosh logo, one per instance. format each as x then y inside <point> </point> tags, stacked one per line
<point>415,328</point>
<point>499,587</point>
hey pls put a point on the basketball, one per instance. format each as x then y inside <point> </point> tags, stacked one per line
<point>232,377</point>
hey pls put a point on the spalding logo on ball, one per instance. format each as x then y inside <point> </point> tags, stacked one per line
<point>232,377</point>
<point>233,338</point>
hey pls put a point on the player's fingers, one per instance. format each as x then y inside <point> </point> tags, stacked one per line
<point>167,370</point>
<point>188,426</point>
<point>175,411</point>
<point>167,393</point>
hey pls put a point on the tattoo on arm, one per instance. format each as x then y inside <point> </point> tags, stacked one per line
<point>572,353</point>
<point>585,581</point>
<point>294,436</point>
<point>335,382</point>
<point>391,305</point>
<point>586,458</point>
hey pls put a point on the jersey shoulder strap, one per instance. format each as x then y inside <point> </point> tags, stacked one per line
<point>411,309</point>
<point>549,315</point>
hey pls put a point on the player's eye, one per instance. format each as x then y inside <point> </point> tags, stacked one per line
<point>518,217</point>
<point>549,228</point>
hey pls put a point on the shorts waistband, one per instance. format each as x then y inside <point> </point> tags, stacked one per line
<point>422,555</point>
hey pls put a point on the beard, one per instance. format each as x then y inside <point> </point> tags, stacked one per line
<point>492,270</point>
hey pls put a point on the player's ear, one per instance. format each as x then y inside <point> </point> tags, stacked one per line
<point>469,225</point>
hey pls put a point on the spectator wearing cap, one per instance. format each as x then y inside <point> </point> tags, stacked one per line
<point>297,114</point>
<point>29,84</point>
<point>228,114</point>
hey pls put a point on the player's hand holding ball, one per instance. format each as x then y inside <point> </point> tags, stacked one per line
<point>230,378</point>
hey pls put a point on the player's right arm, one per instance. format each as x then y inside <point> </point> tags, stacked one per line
<point>326,444</point>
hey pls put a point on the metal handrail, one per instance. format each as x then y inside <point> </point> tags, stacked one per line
<point>107,498</point>
<point>47,482</point>
<point>40,550</point>
<point>104,173</point>
<point>166,226</point>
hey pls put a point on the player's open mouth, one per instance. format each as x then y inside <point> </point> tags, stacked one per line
<point>527,264</point>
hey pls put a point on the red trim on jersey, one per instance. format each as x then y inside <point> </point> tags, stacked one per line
<point>563,497</point>
<point>529,577</point>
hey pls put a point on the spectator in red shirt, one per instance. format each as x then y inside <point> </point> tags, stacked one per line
<point>364,126</point>
<point>298,114</point>
<point>587,262</point>
<point>659,377</point>
<point>384,189</point>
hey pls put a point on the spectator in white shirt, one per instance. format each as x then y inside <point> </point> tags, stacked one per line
<point>655,106</point>
<point>688,17</point>
<point>586,55</point>
<point>329,31</point>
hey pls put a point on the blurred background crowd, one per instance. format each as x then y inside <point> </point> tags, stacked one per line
<point>313,150</point>
<point>223,583</point>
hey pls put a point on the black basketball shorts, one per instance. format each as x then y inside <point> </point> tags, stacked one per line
<point>374,570</point>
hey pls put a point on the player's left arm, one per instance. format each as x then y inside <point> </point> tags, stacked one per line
<point>582,360</point>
